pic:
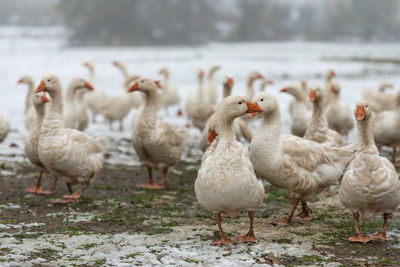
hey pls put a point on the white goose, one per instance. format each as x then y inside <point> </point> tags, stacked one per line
<point>379,100</point>
<point>30,114</point>
<point>156,143</point>
<point>169,94</point>
<point>264,83</point>
<point>31,144</point>
<point>299,109</point>
<point>74,156</point>
<point>317,129</point>
<point>212,95</point>
<point>4,128</point>
<point>338,113</point>
<point>254,75</point>
<point>240,126</point>
<point>96,98</point>
<point>371,184</point>
<point>328,83</point>
<point>303,167</point>
<point>198,110</point>
<point>230,190</point>
<point>387,129</point>
<point>82,116</point>
<point>71,115</point>
<point>121,66</point>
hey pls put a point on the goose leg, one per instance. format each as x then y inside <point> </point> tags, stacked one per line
<point>288,219</point>
<point>249,237</point>
<point>121,125</point>
<point>359,238</point>
<point>222,239</point>
<point>51,190</point>
<point>382,233</point>
<point>394,155</point>
<point>306,212</point>
<point>69,188</point>
<point>150,183</point>
<point>37,187</point>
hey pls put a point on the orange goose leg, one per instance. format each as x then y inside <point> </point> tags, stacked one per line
<point>288,219</point>
<point>36,187</point>
<point>306,212</point>
<point>51,190</point>
<point>222,239</point>
<point>382,233</point>
<point>150,183</point>
<point>249,237</point>
<point>359,238</point>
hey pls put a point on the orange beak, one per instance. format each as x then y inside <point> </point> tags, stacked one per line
<point>211,136</point>
<point>89,86</point>
<point>179,113</point>
<point>313,95</point>
<point>159,85</point>
<point>115,63</point>
<point>44,98</point>
<point>271,82</point>
<point>253,107</point>
<point>230,82</point>
<point>41,87</point>
<point>86,64</point>
<point>202,73</point>
<point>161,71</point>
<point>360,113</point>
<point>333,74</point>
<point>260,76</point>
<point>284,90</point>
<point>332,88</point>
<point>134,87</point>
<point>20,81</point>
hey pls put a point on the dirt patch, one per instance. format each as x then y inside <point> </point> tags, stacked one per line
<point>112,207</point>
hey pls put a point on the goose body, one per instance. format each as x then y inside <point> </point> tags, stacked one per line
<point>339,115</point>
<point>4,128</point>
<point>156,142</point>
<point>74,156</point>
<point>212,95</point>
<point>370,184</point>
<point>303,167</point>
<point>380,100</point>
<point>228,189</point>
<point>30,114</point>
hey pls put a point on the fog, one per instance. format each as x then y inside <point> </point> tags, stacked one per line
<point>195,22</point>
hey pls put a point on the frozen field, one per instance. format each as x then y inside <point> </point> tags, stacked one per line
<point>116,224</point>
<point>285,63</point>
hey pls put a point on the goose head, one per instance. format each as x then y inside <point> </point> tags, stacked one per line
<point>362,112</point>
<point>236,106</point>
<point>200,74</point>
<point>335,88</point>
<point>316,94</point>
<point>25,79</point>
<point>213,69</point>
<point>385,85</point>
<point>79,83</point>
<point>164,71</point>
<point>49,83</point>
<point>228,81</point>
<point>145,85</point>
<point>294,90</point>
<point>88,65</point>
<point>254,75</point>
<point>265,104</point>
<point>303,83</point>
<point>39,99</point>
<point>330,74</point>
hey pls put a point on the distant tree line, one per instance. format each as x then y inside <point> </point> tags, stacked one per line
<point>171,22</point>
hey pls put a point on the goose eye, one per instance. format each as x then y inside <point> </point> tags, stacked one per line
<point>262,99</point>
<point>240,102</point>
<point>366,106</point>
<point>48,80</point>
<point>142,81</point>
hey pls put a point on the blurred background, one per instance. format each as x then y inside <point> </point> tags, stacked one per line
<point>284,40</point>
<point>195,22</point>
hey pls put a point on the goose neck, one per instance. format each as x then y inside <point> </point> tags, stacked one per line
<point>365,134</point>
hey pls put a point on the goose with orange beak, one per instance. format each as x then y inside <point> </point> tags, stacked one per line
<point>72,116</point>
<point>317,129</point>
<point>303,167</point>
<point>370,184</point>
<point>328,83</point>
<point>338,113</point>
<point>74,156</point>
<point>157,143</point>
<point>31,144</point>
<point>298,109</point>
<point>229,190</point>
<point>30,113</point>
<point>169,95</point>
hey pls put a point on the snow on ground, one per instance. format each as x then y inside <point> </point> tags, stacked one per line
<point>285,63</point>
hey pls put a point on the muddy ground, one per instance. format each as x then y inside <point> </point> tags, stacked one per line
<point>115,223</point>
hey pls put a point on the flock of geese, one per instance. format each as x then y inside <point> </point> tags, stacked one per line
<point>305,163</point>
